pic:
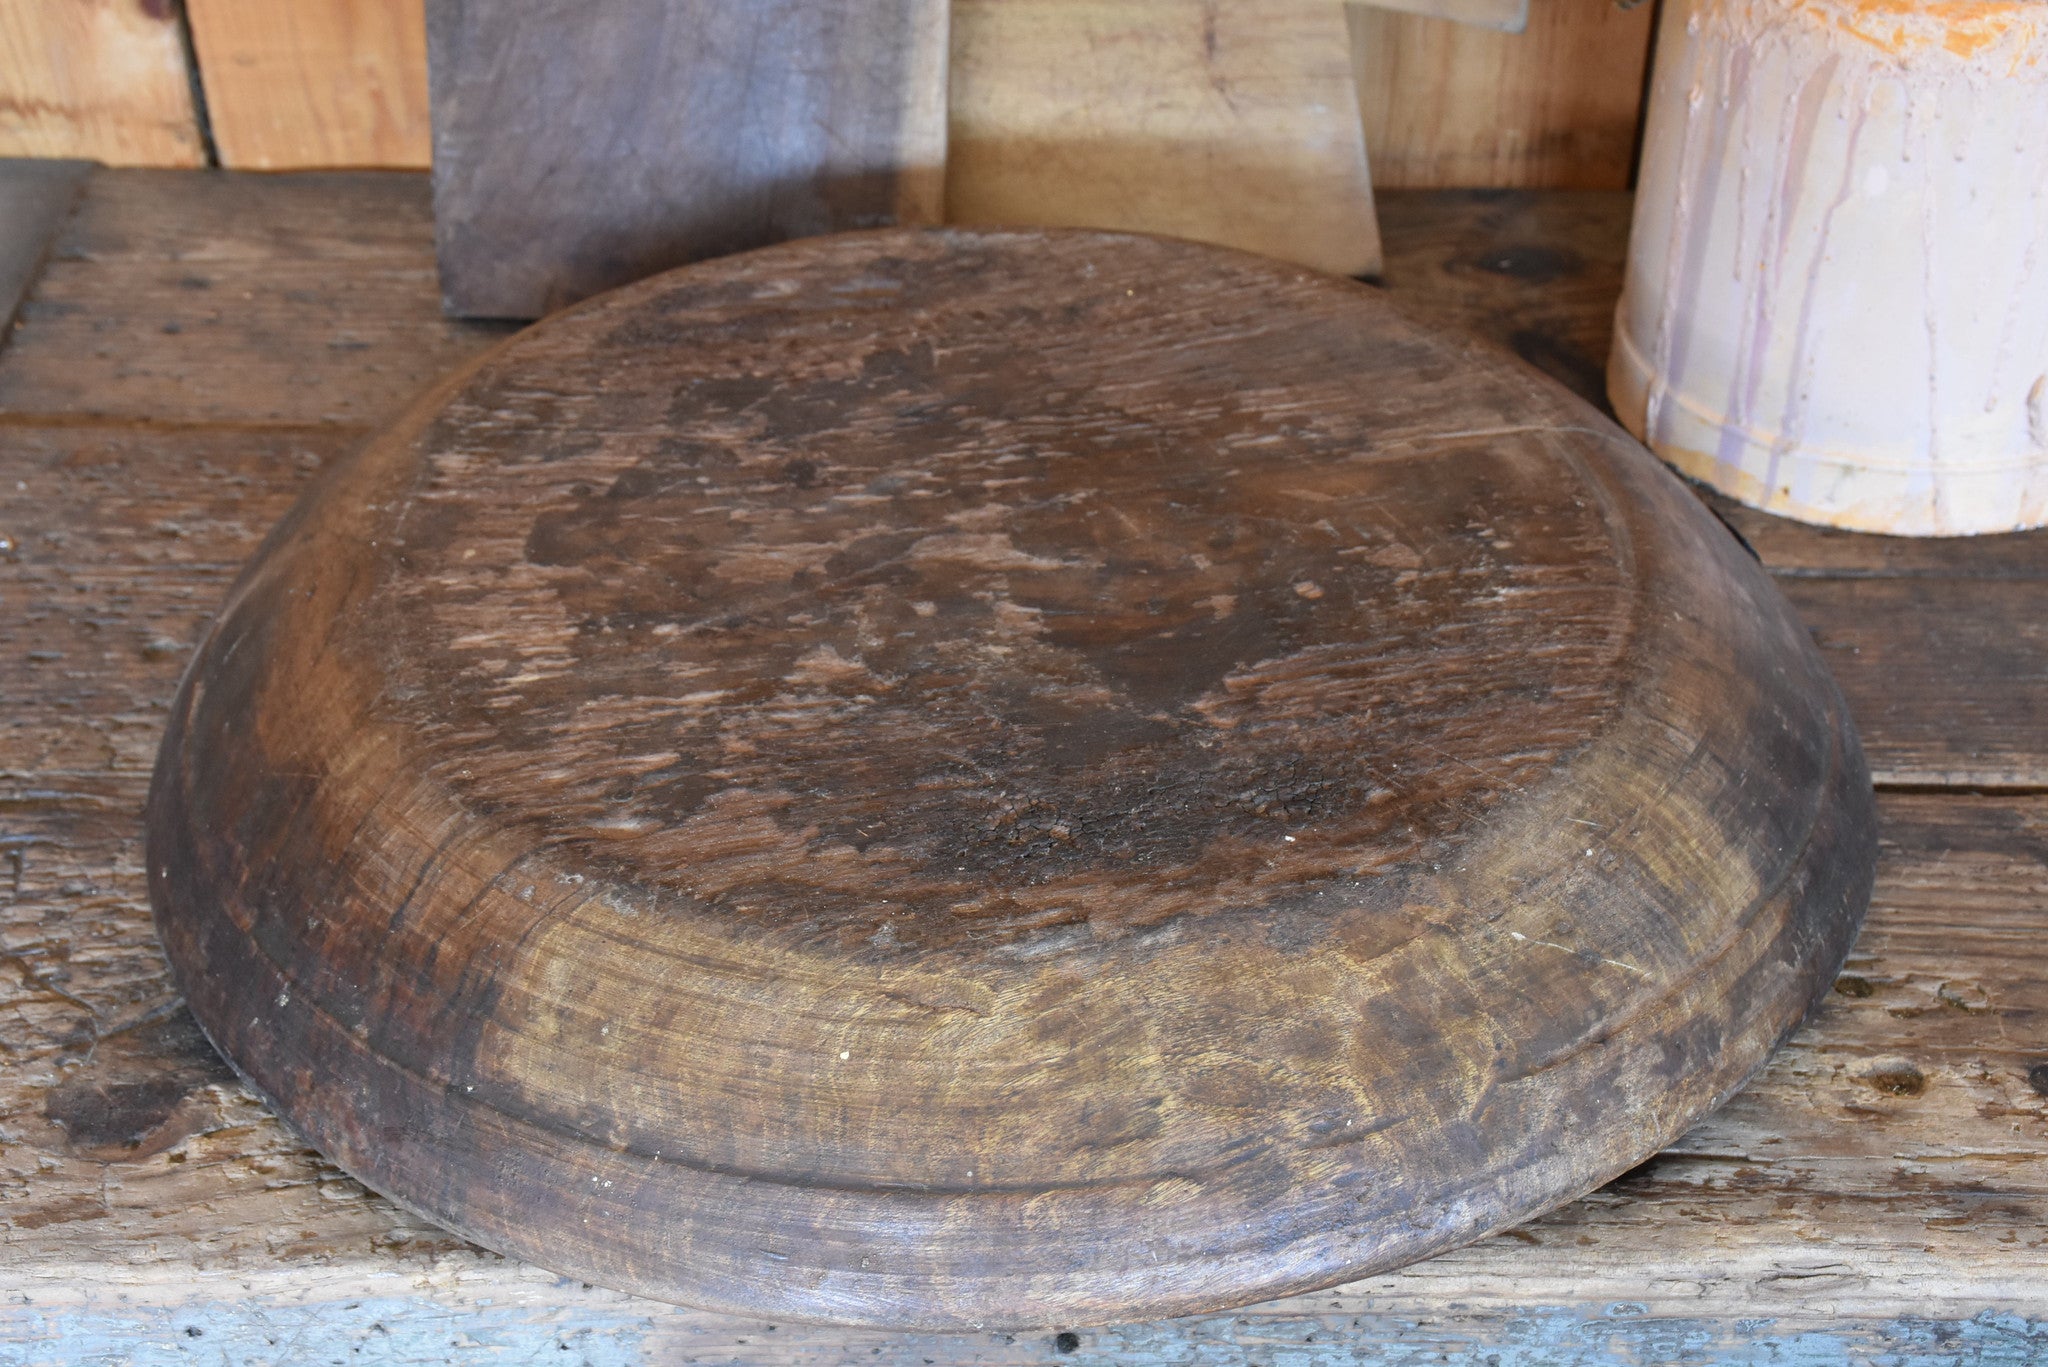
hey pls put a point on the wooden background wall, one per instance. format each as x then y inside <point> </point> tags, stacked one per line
<point>290,84</point>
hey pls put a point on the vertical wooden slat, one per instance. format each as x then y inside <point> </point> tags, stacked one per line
<point>1230,121</point>
<point>314,82</point>
<point>1553,107</point>
<point>99,79</point>
<point>578,146</point>
<point>343,83</point>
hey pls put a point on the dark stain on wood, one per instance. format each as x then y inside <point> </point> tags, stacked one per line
<point>1000,778</point>
<point>1570,367</point>
<point>113,1118</point>
<point>1531,263</point>
<point>127,1101</point>
<point>1900,1080</point>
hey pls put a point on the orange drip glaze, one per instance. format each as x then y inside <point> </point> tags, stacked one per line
<point>1964,28</point>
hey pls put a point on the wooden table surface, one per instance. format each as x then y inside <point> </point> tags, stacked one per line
<point>195,345</point>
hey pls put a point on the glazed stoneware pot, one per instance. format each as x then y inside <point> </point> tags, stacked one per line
<point>1837,296</point>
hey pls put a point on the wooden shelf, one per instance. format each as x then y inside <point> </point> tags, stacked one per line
<point>198,344</point>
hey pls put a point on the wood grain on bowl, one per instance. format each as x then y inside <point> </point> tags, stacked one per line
<point>973,778</point>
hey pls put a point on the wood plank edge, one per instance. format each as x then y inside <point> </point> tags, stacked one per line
<point>89,421</point>
<point>37,198</point>
<point>1719,1285</point>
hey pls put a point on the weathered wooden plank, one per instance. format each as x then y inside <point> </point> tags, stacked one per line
<point>432,1313</point>
<point>318,298</point>
<point>35,199</point>
<point>1947,676</point>
<point>1536,273</point>
<point>120,543</point>
<point>317,294</point>
<point>1235,124</point>
<point>579,146</point>
<point>1883,1221</point>
<point>317,83</point>
<point>238,298</point>
<point>104,80</point>
<point>1552,107</point>
<point>255,342</point>
<point>342,221</point>
<point>1798,548</point>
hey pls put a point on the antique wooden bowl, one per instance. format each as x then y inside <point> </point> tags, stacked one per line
<point>1000,778</point>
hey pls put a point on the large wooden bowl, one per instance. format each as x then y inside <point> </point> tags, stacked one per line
<point>981,778</point>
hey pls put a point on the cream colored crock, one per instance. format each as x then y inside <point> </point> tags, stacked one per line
<point>1837,296</point>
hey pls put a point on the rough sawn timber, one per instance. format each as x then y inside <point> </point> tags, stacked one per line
<point>1829,1213</point>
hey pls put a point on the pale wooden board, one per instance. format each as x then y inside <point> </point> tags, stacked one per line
<point>327,83</point>
<point>1509,16</point>
<point>100,79</point>
<point>1229,123</point>
<point>577,148</point>
<point>1552,107</point>
<point>1797,548</point>
<point>337,82</point>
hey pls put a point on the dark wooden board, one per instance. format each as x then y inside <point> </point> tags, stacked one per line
<point>965,779</point>
<point>1799,549</point>
<point>582,144</point>
<point>1948,675</point>
<point>237,299</point>
<point>1534,273</point>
